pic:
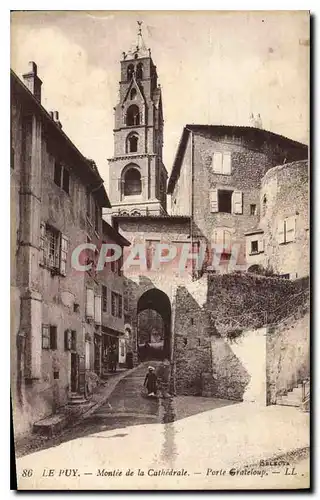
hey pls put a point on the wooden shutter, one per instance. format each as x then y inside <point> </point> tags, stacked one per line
<point>45,337</point>
<point>217,163</point>
<point>214,201</point>
<point>237,202</point>
<point>42,241</point>
<point>226,163</point>
<point>87,355</point>
<point>67,340</point>
<point>113,304</point>
<point>260,244</point>
<point>90,303</point>
<point>53,337</point>
<point>120,306</point>
<point>290,227</point>
<point>64,244</point>
<point>280,232</point>
<point>97,309</point>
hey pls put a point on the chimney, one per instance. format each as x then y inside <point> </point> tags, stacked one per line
<point>55,116</point>
<point>32,81</point>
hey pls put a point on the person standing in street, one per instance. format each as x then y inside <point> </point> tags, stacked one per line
<point>150,381</point>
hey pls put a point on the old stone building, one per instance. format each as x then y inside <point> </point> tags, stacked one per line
<point>280,241</point>
<point>217,185</point>
<point>216,179</point>
<point>57,196</point>
<point>137,175</point>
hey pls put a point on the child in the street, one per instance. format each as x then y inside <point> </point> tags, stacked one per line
<point>150,381</point>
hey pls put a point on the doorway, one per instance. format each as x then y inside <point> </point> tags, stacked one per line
<point>154,325</point>
<point>74,372</point>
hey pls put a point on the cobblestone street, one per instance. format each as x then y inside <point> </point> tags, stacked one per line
<point>130,431</point>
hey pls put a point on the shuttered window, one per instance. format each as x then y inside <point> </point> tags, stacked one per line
<point>226,164</point>
<point>104,299</point>
<point>63,254</point>
<point>90,303</point>
<point>290,229</point>
<point>67,339</point>
<point>49,337</point>
<point>214,201</point>
<point>97,309</point>
<point>221,163</point>
<point>45,337</point>
<point>237,202</point>
<point>286,230</point>
<point>42,241</point>
<point>217,163</point>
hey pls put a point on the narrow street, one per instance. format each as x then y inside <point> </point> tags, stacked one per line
<point>128,440</point>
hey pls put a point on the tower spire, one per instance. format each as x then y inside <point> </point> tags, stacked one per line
<point>139,49</point>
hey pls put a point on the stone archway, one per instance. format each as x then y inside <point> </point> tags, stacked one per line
<point>156,300</point>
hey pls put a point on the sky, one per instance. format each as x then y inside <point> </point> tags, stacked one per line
<point>215,67</point>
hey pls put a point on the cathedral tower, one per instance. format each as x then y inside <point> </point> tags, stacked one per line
<point>137,175</point>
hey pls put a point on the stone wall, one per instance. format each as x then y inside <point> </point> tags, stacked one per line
<point>192,347</point>
<point>239,367</point>
<point>219,332</point>
<point>286,190</point>
<point>288,354</point>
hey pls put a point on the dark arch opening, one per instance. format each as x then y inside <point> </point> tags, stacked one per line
<point>133,116</point>
<point>132,143</point>
<point>154,326</point>
<point>139,71</point>
<point>255,268</point>
<point>130,71</point>
<point>132,182</point>
<point>133,94</point>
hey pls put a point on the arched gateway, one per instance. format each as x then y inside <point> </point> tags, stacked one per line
<point>155,328</point>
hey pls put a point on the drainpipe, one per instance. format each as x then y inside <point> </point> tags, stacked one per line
<point>192,187</point>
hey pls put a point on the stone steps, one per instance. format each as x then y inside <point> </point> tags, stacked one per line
<point>51,426</point>
<point>293,397</point>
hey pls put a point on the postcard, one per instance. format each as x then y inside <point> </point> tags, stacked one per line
<point>160,250</point>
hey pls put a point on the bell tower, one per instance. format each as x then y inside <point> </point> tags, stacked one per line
<point>137,175</point>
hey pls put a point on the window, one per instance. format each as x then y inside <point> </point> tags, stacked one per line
<point>254,246</point>
<point>53,248</point>
<point>61,176</point>
<point>104,298</point>
<point>113,303</point>
<point>222,237</point>
<point>116,305</point>
<point>139,72</point>
<point>120,305</point>
<point>133,116</point>
<point>264,205</point>
<point>286,230</point>
<point>253,209</point>
<point>133,94</point>
<point>65,180</point>
<point>49,337</point>
<point>90,303</point>
<point>132,182</point>
<point>73,340</point>
<point>221,163</point>
<point>97,309</point>
<point>132,143</point>
<point>130,71</point>
<point>226,201</point>
<point>57,173</point>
